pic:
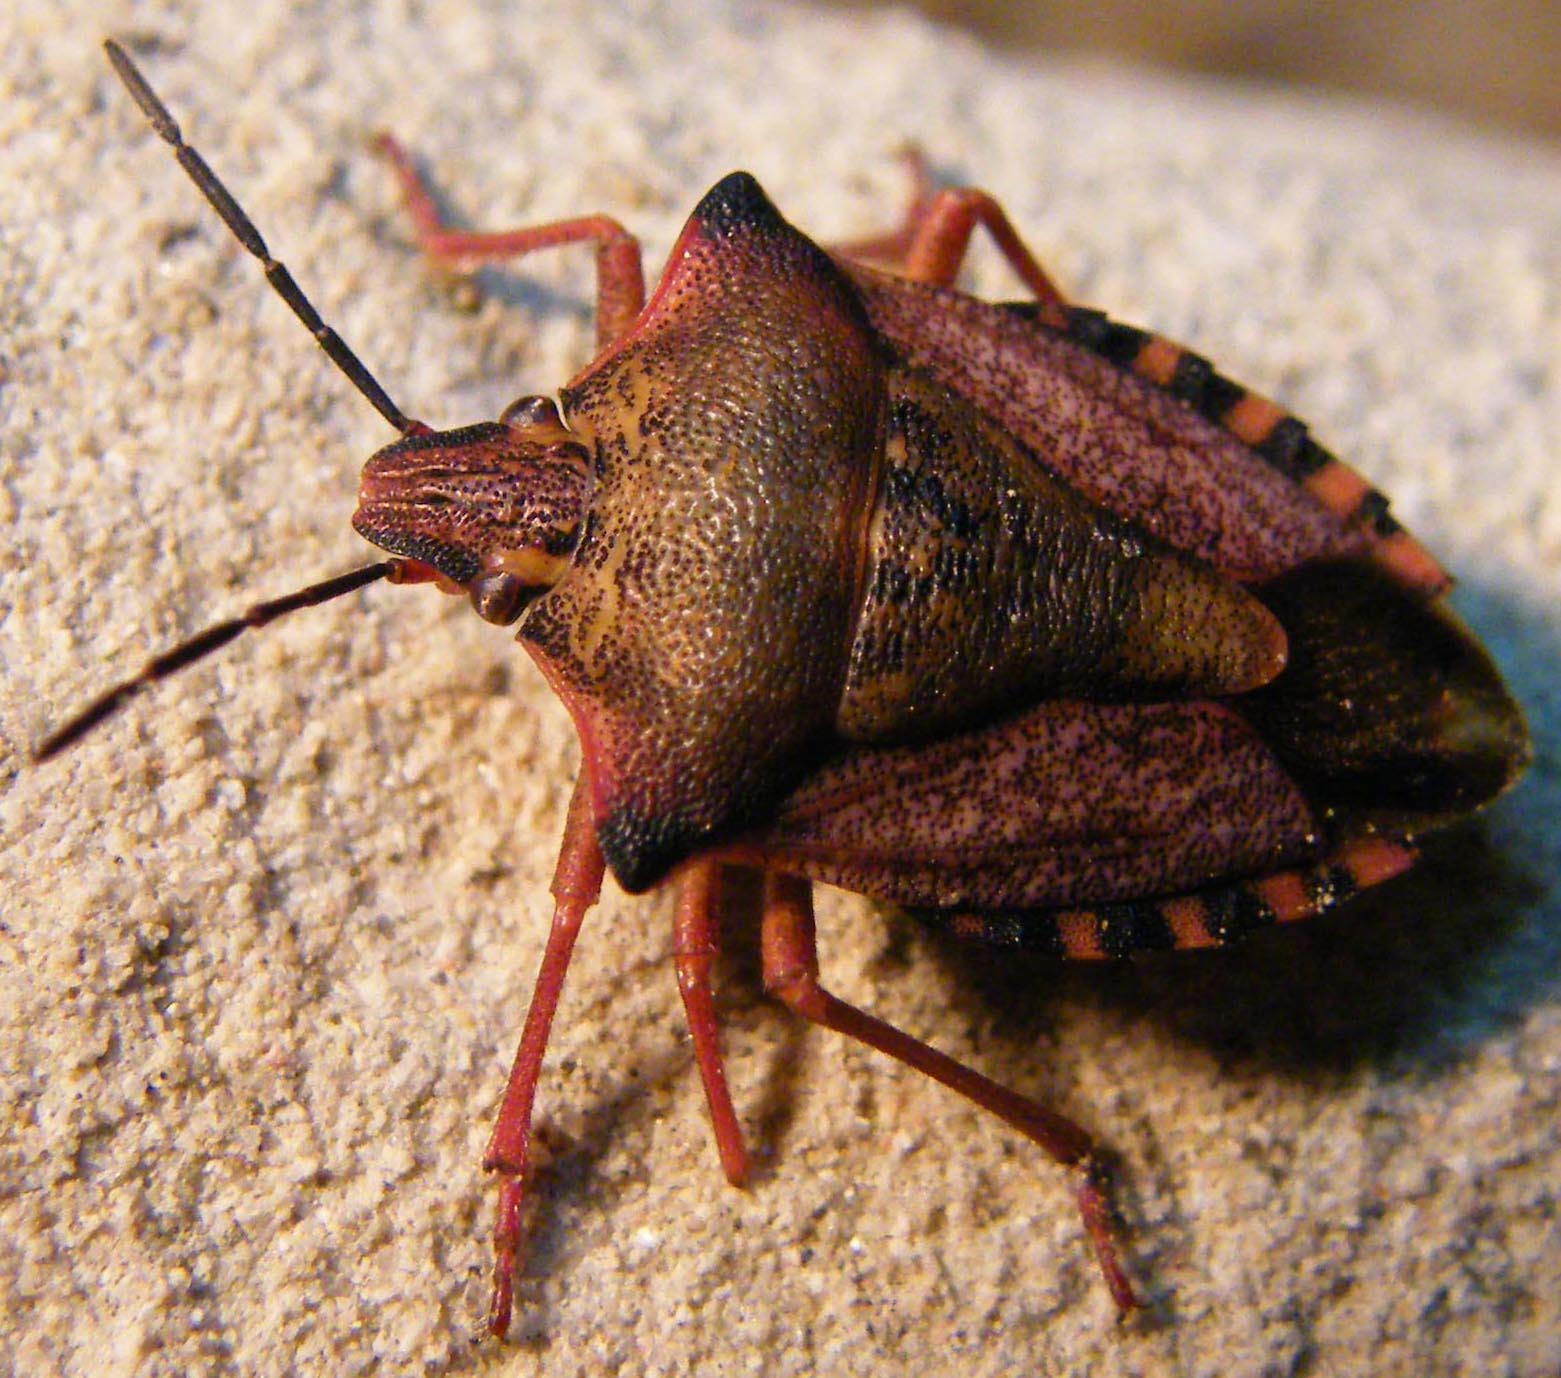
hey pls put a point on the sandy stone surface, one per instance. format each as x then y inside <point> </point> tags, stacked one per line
<point>266,940</point>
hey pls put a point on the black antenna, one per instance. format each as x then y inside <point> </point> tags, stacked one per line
<point>215,637</point>
<point>203,644</point>
<point>244,231</point>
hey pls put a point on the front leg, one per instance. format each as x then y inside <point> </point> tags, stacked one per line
<point>620,274</point>
<point>577,881</point>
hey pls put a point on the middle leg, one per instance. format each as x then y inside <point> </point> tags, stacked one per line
<point>933,237</point>
<point>695,945</point>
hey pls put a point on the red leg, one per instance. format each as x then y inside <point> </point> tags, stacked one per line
<point>893,247</point>
<point>932,240</point>
<point>577,881</point>
<point>620,276</point>
<point>791,973</point>
<point>696,942</point>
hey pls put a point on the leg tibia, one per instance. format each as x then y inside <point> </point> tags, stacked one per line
<point>620,275</point>
<point>933,237</point>
<point>577,881</point>
<point>695,941</point>
<point>791,974</point>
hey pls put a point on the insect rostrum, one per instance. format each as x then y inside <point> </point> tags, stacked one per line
<point>1029,622</point>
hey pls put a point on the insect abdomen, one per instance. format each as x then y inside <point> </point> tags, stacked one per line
<point>1388,705</point>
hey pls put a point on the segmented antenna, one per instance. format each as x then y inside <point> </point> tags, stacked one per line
<point>215,637</point>
<point>203,644</point>
<point>244,231</point>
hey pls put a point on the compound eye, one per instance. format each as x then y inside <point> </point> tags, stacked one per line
<point>499,597</point>
<point>531,411</point>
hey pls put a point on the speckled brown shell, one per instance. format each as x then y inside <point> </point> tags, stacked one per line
<point>991,583</point>
<point>700,637</point>
<point>875,574</point>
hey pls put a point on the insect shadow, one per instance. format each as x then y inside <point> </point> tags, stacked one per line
<point>1406,976</point>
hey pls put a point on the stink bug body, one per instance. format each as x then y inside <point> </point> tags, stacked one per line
<point>1023,620</point>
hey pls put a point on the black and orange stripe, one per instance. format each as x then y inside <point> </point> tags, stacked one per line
<point>1212,917</point>
<point>1280,439</point>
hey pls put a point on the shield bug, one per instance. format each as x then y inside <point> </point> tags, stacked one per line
<point>1028,622</point>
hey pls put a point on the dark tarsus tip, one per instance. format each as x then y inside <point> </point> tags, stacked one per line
<point>200,645</point>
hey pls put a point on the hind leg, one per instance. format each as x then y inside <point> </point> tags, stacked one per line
<point>790,953</point>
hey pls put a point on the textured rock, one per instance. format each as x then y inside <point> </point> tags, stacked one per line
<point>267,938</point>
